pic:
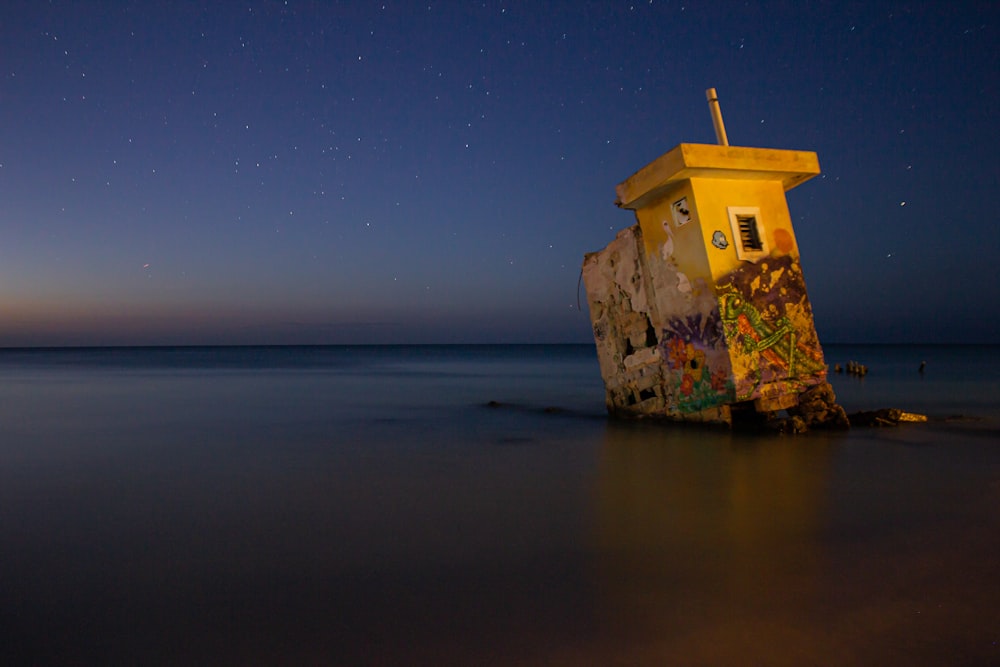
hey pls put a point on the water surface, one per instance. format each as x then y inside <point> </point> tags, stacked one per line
<point>364,506</point>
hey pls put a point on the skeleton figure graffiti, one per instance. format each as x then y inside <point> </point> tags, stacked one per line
<point>768,326</point>
<point>775,345</point>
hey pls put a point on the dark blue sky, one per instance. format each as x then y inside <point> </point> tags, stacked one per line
<point>354,172</point>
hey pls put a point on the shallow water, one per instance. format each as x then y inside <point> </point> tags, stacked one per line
<point>364,506</point>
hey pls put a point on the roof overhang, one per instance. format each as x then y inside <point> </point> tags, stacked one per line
<point>714,161</point>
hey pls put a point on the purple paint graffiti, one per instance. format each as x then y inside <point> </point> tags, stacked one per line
<point>695,370</point>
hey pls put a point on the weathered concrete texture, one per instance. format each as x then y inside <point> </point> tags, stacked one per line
<point>750,339</point>
<point>700,308</point>
<point>625,338</point>
<point>644,376</point>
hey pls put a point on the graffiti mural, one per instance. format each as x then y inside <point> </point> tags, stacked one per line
<point>697,371</point>
<point>767,321</point>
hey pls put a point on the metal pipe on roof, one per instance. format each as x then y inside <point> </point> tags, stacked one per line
<point>720,127</point>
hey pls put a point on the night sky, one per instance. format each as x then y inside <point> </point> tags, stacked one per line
<point>433,172</point>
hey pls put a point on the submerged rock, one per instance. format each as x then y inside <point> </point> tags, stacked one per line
<point>818,408</point>
<point>885,417</point>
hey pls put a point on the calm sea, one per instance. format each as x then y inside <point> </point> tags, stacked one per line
<point>365,505</point>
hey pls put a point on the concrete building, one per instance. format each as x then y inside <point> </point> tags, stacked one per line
<point>700,308</point>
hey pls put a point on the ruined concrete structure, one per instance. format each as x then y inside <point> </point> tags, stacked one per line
<point>699,310</point>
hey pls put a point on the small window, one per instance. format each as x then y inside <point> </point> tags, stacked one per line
<point>748,232</point>
<point>749,236</point>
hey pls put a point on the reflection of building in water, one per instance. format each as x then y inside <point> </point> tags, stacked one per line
<point>710,553</point>
<point>701,305</point>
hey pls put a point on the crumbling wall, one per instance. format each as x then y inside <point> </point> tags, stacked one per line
<point>624,334</point>
<point>651,345</point>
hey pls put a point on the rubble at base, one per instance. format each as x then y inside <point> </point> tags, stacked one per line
<point>818,408</point>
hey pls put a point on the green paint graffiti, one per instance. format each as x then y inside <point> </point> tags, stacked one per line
<point>776,343</point>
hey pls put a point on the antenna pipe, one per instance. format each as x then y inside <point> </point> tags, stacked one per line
<point>720,127</point>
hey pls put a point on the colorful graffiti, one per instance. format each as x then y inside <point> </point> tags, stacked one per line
<point>767,322</point>
<point>697,370</point>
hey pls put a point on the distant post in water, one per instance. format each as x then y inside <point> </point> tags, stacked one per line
<point>699,309</point>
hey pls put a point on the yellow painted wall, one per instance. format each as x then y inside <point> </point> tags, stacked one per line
<point>714,196</point>
<point>709,200</point>
<point>688,246</point>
